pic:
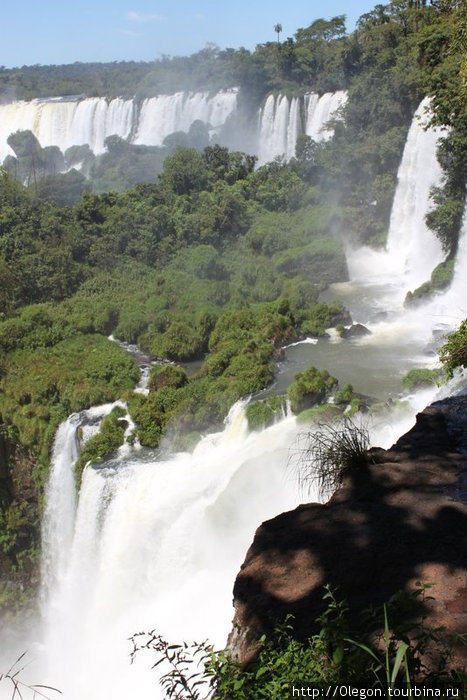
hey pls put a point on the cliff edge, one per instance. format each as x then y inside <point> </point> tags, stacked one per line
<point>402,520</point>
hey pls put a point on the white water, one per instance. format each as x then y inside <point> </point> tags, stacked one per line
<point>280,122</point>
<point>65,122</point>
<point>166,114</point>
<point>158,544</point>
<point>381,279</point>
<point>412,250</point>
<point>279,126</point>
<point>320,111</point>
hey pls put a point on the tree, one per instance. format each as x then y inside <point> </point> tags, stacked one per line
<point>278,29</point>
<point>184,172</point>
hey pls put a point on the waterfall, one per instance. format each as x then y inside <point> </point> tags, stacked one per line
<point>58,521</point>
<point>279,126</point>
<point>320,110</point>
<point>450,307</point>
<point>415,249</point>
<point>412,250</point>
<point>60,505</point>
<point>280,122</point>
<point>166,114</point>
<point>456,296</point>
<point>66,122</point>
<point>157,543</point>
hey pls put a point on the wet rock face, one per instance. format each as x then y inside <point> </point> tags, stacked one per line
<point>403,520</point>
<point>357,330</point>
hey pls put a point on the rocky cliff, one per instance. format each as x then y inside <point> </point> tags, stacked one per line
<point>402,520</point>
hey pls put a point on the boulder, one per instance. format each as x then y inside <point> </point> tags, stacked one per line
<point>357,330</point>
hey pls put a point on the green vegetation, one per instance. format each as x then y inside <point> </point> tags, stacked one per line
<point>421,378</point>
<point>384,647</point>
<point>398,53</point>
<point>440,279</point>
<point>309,388</point>
<point>330,453</point>
<point>261,414</point>
<point>107,440</point>
<point>344,395</point>
<point>454,353</point>
<point>323,412</point>
<point>192,267</point>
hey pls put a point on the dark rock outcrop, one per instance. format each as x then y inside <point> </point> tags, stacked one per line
<point>357,330</point>
<point>403,520</point>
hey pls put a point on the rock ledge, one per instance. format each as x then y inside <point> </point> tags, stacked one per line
<point>403,520</point>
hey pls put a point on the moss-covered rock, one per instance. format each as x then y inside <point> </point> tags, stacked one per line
<point>421,378</point>
<point>441,278</point>
<point>107,440</point>
<point>324,412</point>
<point>309,388</point>
<point>261,414</point>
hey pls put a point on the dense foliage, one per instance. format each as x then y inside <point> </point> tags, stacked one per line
<point>209,264</point>
<point>454,352</point>
<point>398,53</point>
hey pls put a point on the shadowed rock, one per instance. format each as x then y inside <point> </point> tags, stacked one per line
<point>403,520</point>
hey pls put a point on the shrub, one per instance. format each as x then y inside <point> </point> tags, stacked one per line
<point>261,414</point>
<point>344,395</point>
<point>325,456</point>
<point>386,646</point>
<point>421,378</point>
<point>441,278</point>
<point>167,375</point>
<point>321,412</point>
<point>107,440</point>
<point>310,388</point>
<point>454,353</point>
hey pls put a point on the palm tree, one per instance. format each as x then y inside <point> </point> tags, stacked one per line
<point>278,29</point>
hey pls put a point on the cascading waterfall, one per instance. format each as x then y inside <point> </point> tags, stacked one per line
<point>279,126</point>
<point>280,122</point>
<point>158,543</point>
<point>66,122</point>
<point>320,110</point>
<point>60,499</point>
<point>412,250</point>
<point>166,114</point>
<point>447,309</point>
<point>60,505</point>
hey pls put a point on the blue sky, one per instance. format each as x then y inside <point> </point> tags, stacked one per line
<point>52,31</point>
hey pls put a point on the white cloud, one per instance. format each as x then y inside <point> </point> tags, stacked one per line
<point>135,16</point>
